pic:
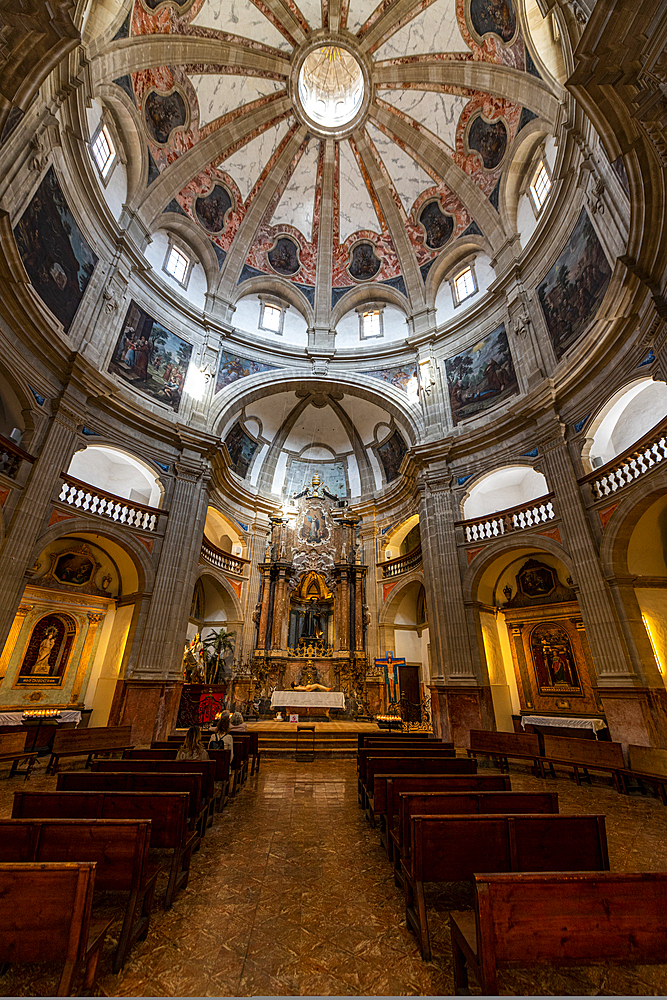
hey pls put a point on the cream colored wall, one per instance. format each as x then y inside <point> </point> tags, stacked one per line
<point>648,542</point>
<point>498,672</point>
<point>110,668</point>
<point>653,604</point>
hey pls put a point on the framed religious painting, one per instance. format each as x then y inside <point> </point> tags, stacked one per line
<point>554,661</point>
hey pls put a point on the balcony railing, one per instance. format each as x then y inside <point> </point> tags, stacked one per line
<point>531,514</point>
<point>11,457</point>
<point>644,455</point>
<point>223,560</point>
<point>402,564</point>
<point>91,500</point>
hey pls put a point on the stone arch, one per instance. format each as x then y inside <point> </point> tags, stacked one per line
<point>389,607</point>
<point>506,545</point>
<point>621,524</point>
<point>222,581</point>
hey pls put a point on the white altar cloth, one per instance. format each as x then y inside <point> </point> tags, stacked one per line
<point>16,718</point>
<point>307,699</point>
<point>569,723</point>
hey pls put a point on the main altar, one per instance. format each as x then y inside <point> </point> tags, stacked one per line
<point>311,617</point>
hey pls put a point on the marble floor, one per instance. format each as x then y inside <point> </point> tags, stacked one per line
<point>291,894</point>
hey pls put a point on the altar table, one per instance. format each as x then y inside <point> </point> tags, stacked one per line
<point>318,702</point>
<point>568,723</point>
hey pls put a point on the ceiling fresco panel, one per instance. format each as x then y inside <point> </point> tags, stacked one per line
<point>240,17</point>
<point>296,205</point>
<point>438,112</point>
<point>433,30</point>
<point>408,178</point>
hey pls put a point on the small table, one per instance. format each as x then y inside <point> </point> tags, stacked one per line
<point>563,721</point>
<point>321,702</point>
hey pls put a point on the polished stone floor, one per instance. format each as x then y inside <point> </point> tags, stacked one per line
<point>291,894</point>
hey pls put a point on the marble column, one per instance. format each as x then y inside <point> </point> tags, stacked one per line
<point>621,680</point>
<point>460,699</point>
<point>153,681</point>
<point>280,611</point>
<point>34,506</point>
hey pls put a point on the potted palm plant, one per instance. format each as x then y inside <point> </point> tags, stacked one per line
<point>216,644</point>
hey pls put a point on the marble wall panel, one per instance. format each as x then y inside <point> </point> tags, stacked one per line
<point>357,211</point>
<point>240,17</point>
<point>435,29</point>
<point>247,163</point>
<point>296,205</point>
<point>439,112</point>
<point>218,95</point>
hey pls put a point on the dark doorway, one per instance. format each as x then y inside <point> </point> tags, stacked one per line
<point>408,678</point>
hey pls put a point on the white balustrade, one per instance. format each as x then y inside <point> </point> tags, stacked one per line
<point>532,514</point>
<point>626,469</point>
<point>90,500</point>
<point>402,564</point>
<point>223,560</point>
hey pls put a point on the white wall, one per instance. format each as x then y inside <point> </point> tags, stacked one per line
<point>639,409</point>
<point>508,487</point>
<point>526,221</point>
<point>444,302</point>
<point>117,473</point>
<point>156,253</point>
<point>246,318</point>
<point>115,190</point>
<point>394,327</point>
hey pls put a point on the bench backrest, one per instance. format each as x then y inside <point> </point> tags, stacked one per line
<point>160,766</point>
<point>365,739</point>
<point>450,849</point>
<point>222,760</point>
<point>155,753</point>
<point>387,787</point>
<point>417,765</point>
<point>573,917</point>
<point>494,742</point>
<point>12,742</point>
<point>403,752</point>
<point>118,846</point>
<point>45,911</point>
<point>112,781</point>
<point>455,803</point>
<point>168,811</point>
<point>651,760</point>
<point>584,751</point>
<point>84,740</point>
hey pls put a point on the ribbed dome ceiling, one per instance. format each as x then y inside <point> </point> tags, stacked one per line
<point>445,88</point>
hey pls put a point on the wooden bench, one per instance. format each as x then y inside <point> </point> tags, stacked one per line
<point>502,746</point>
<point>131,781</point>
<point>13,751</point>
<point>45,916</point>
<point>366,739</point>
<point>558,920</point>
<point>403,753</point>
<point>88,743</point>
<point>648,766</point>
<point>437,764</point>
<point>168,812</point>
<point>158,765</point>
<point>584,755</point>
<point>457,803</point>
<point>454,848</point>
<point>386,788</point>
<point>118,846</point>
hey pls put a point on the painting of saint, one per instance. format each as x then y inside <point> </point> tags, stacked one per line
<point>232,368</point>
<point>57,257</point>
<point>212,208</point>
<point>574,287</point>
<point>364,262</point>
<point>489,139</point>
<point>314,526</point>
<point>438,227</point>
<point>391,453</point>
<point>481,376</point>
<point>535,580</point>
<point>74,569</point>
<point>284,257</point>
<point>150,358</point>
<point>553,658</point>
<point>495,16</point>
<point>241,448</point>
<point>400,376</point>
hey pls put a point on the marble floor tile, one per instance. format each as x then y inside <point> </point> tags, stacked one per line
<point>292,894</point>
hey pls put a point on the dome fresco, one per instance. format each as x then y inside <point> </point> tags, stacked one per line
<point>235,148</point>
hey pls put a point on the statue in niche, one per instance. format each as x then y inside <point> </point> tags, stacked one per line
<point>41,664</point>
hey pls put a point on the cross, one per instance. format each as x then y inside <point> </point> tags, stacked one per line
<point>391,664</point>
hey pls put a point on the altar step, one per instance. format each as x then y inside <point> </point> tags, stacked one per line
<point>283,744</point>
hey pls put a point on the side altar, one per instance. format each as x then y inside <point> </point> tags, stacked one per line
<point>311,617</point>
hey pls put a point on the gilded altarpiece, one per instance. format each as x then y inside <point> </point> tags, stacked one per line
<point>311,618</point>
<point>552,660</point>
<point>50,651</point>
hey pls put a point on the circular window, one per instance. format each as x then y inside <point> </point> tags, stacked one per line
<point>331,86</point>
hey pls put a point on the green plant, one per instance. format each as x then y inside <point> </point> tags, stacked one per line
<point>216,644</point>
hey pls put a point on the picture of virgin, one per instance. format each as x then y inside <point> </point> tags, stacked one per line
<point>314,527</point>
<point>553,659</point>
<point>73,569</point>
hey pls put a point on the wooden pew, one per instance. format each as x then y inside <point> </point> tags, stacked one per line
<point>390,752</point>
<point>88,743</point>
<point>648,766</point>
<point>132,781</point>
<point>159,765</point>
<point>13,751</point>
<point>502,746</point>
<point>45,916</point>
<point>118,846</point>
<point>366,739</point>
<point>584,755</point>
<point>457,803</point>
<point>559,920</point>
<point>386,789</point>
<point>454,848</point>
<point>167,751</point>
<point>168,812</point>
<point>437,764</point>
